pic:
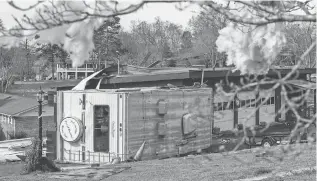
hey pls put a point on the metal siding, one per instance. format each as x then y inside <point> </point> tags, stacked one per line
<point>101,98</point>
<point>143,123</point>
<point>121,120</point>
<point>71,108</point>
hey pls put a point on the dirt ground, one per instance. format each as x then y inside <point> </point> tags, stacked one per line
<point>218,167</point>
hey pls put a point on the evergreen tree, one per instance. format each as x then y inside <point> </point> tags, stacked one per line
<point>187,40</point>
<point>107,41</point>
<point>50,53</point>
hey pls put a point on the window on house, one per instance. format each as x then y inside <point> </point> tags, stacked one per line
<point>225,105</point>
<point>242,103</point>
<point>101,128</point>
<point>248,103</point>
<point>188,126</point>
<point>272,100</point>
<point>268,102</point>
<point>215,106</point>
<point>252,104</point>
<point>263,101</point>
<point>220,108</point>
<point>231,106</point>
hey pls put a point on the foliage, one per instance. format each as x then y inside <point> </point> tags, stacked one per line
<point>187,40</point>
<point>205,29</point>
<point>72,23</point>
<point>32,157</point>
<point>34,162</point>
<point>48,53</point>
<point>299,37</point>
<point>107,41</point>
<point>149,42</point>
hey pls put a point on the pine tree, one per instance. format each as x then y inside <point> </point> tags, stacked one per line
<point>50,52</point>
<point>107,41</point>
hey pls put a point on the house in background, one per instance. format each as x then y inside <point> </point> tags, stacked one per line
<point>19,116</point>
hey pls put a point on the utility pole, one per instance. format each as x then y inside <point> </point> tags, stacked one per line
<point>107,44</point>
<point>27,57</point>
<point>51,56</point>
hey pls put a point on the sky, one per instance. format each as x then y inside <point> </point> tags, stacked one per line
<point>147,13</point>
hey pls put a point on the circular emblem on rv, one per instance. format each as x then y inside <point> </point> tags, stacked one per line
<point>71,129</point>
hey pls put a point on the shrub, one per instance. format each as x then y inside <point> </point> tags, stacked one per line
<point>34,162</point>
<point>171,63</point>
<point>18,135</point>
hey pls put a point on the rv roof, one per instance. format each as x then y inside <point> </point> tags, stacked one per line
<point>138,89</point>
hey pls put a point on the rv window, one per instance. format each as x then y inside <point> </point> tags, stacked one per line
<point>188,125</point>
<point>101,128</point>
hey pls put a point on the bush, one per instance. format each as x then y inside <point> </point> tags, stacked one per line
<point>18,135</point>
<point>171,63</point>
<point>34,162</point>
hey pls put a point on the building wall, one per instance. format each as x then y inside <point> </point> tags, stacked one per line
<point>6,126</point>
<point>224,115</point>
<point>46,111</point>
<point>30,125</point>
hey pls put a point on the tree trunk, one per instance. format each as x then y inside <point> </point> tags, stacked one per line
<point>8,84</point>
<point>2,85</point>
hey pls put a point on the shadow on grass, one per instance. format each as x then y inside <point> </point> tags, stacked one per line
<point>262,171</point>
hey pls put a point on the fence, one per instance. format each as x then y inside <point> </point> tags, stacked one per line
<point>90,157</point>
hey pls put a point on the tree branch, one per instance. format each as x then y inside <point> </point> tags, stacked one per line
<point>259,21</point>
<point>11,3</point>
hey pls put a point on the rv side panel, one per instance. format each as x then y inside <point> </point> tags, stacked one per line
<point>59,140</point>
<point>96,142</point>
<point>163,131</point>
<point>71,108</point>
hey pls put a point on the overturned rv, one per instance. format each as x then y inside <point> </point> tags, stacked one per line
<point>113,118</point>
<point>97,126</point>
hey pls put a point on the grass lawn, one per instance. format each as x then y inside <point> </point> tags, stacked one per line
<point>215,167</point>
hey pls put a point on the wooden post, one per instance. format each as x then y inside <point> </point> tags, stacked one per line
<point>235,112</point>
<point>257,113</point>
<point>277,103</point>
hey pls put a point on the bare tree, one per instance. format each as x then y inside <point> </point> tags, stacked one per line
<point>253,20</point>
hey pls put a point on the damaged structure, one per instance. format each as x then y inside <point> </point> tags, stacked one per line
<point>135,113</point>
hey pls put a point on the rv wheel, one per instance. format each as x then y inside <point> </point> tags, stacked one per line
<point>267,143</point>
